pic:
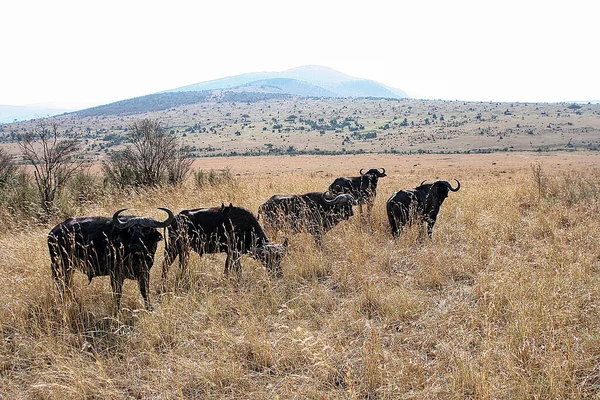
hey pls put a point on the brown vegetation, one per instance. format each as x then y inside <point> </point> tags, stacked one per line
<point>502,302</point>
<point>351,125</point>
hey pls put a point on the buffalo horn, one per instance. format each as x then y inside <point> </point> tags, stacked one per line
<point>142,221</point>
<point>153,223</point>
<point>382,171</point>
<point>333,201</point>
<point>457,187</point>
<point>117,222</point>
<point>361,171</point>
<point>446,183</point>
<point>338,198</point>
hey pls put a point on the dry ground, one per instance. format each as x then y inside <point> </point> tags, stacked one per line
<point>347,125</point>
<point>502,303</point>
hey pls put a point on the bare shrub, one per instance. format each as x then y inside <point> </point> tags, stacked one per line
<point>54,160</point>
<point>181,165</point>
<point>539,179</point>
<point>153,158</point>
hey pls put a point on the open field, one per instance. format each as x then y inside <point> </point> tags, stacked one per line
<point>502,303</point>
<point>324,126</point>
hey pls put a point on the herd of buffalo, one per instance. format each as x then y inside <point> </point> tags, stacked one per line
<point>123,247</point>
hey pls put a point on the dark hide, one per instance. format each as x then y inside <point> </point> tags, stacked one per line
<point>420,204</point>
<point>119,247</point>
<point>311,212</point>
<point>363,188</point>
<point>231,230</point>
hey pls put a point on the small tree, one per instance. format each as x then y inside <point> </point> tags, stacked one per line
<point>8,169</point>
<point>54,161</point>
<point>153,157</point>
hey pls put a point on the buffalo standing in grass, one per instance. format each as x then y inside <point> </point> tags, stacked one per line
<point>232,230</point>
<point>363,188</point>
<point>314,212</point>
<point>422,203</point>
<point>121,247</point>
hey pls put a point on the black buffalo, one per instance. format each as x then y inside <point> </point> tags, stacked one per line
<point>121,247</point>
<point>232,230</point>
<point>363,188</point>
<point>314,212</point>
<point>422,203</point>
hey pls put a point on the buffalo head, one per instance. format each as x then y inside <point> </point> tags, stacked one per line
<point>138,233</point>
<point>439,191</point>
<point>342,203</point>
<point>271,255</point>
<point>374,171</point>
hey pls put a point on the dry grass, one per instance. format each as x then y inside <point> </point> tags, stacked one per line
<point>503,302</point>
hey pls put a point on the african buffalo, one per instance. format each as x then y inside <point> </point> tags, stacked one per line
<point>314,212</point>
<point>422,203</point>
<point>121,247</point>
<point>363,188</point>
<point>232,230</point>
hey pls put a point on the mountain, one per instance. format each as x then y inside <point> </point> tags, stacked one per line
<point>308,80</point>
<point>305,81</point>
<point>31,111</point>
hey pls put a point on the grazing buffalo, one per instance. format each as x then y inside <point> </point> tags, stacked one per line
<point>314,212</point>
<point>232,230</point>
<point>422,203</point>
<point>121,247</point>
<point>363,188</point>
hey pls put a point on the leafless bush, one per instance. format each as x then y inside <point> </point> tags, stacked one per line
<point>54,161</point>
<point>153,157</point>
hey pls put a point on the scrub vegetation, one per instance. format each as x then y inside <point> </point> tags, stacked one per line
<point>502,303</point>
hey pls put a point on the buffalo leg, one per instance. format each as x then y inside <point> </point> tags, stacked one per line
<point>116,283</point>
<point>430,224</point>
<point>393,224</point>
<point>183,276</point>
<point>168,260</point>
<point>144,283</point>
<point>369,206</point>
<point>398,216</point>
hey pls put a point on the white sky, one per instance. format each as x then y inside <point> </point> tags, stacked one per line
<point>79,53</point>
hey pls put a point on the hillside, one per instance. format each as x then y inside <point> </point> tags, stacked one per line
<point>245,123</point>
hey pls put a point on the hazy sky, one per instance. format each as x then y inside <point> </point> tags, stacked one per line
<point>80,53</point>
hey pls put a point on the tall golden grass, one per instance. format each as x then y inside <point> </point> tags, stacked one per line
<point>502,303</point>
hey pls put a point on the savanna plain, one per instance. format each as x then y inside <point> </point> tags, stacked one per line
<point>503,302</point>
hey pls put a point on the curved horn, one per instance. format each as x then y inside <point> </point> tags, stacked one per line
<point>118,223</point>
<point>382,171</point>
<point>425,180</point>
<point>153,223</point>
<point>338,198</point>
<point>448,185</point>
<point>361,171</point>
<point>326,200</point>
<point>457,187</point>
<point>333,201</point>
